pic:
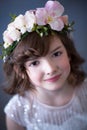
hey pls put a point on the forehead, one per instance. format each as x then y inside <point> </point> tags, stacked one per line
<point>55,42</point>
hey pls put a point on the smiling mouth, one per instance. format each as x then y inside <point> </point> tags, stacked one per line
<point>53,79</point>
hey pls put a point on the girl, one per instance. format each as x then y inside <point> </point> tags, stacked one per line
<point>43,71</point>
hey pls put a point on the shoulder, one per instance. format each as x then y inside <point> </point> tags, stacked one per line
<point>83,86</point>
<point>82,94</point>
<point>15,108</point>
<point>15,101</point>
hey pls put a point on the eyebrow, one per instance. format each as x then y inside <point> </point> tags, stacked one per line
<point>55,49</point>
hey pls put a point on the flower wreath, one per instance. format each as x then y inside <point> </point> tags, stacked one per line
<point>40,20</point>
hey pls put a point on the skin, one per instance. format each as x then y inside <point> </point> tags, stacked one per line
<point>11,125</point>
<point>49,76</point>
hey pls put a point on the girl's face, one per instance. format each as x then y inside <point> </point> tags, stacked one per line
<point>50,72</point>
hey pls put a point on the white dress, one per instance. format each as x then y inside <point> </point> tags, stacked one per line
<point>34,115</point>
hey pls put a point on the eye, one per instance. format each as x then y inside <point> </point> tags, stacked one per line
<point>58,53</point>
<point>34,63</point>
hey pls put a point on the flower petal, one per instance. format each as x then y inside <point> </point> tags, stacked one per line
<point>30,20</point>
<point>14,35</point>
<point>41,16</point>
<point>19,22</point>
<point>54,8</point>
<point>64,19</point>
<point>57,25</point>
<point>8,41</point>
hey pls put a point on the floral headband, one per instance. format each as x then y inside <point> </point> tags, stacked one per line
<point>40,20</point>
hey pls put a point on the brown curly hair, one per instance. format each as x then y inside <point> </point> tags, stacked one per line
<point>35,46</point>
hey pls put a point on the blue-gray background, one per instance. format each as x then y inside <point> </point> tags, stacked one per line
<point>77,11</point>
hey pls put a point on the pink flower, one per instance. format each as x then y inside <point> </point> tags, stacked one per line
<point>51,15</point>
<point>64,19</point>
<point>54,8</point>
<point>57,24</point>
<point>41,16</point>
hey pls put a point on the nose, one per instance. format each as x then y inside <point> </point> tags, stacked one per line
<point>50,67</point>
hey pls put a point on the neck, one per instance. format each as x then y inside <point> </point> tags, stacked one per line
<point>57,97</point>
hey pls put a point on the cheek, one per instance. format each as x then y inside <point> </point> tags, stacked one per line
<point>35,77</point>
<point>67,69</point>
<point>65,65</point>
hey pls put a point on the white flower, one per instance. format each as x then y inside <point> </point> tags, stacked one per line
<point>23,30</point>
<point>13,33</point>
<point>30,20</point>
<point>8,41</point>
<point>6,45</point>
<point>11,26</point>
<point>4,58</point>
<point>19,23</point>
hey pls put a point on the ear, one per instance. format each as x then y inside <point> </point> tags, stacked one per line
<point>17,72</point>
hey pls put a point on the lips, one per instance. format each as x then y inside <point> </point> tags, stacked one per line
<point>53,79</point>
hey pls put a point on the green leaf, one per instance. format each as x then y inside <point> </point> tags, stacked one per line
<point>13,16</point>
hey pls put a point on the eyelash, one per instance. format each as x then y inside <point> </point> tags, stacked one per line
<point>34,63</point>
<point>56,54</point>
